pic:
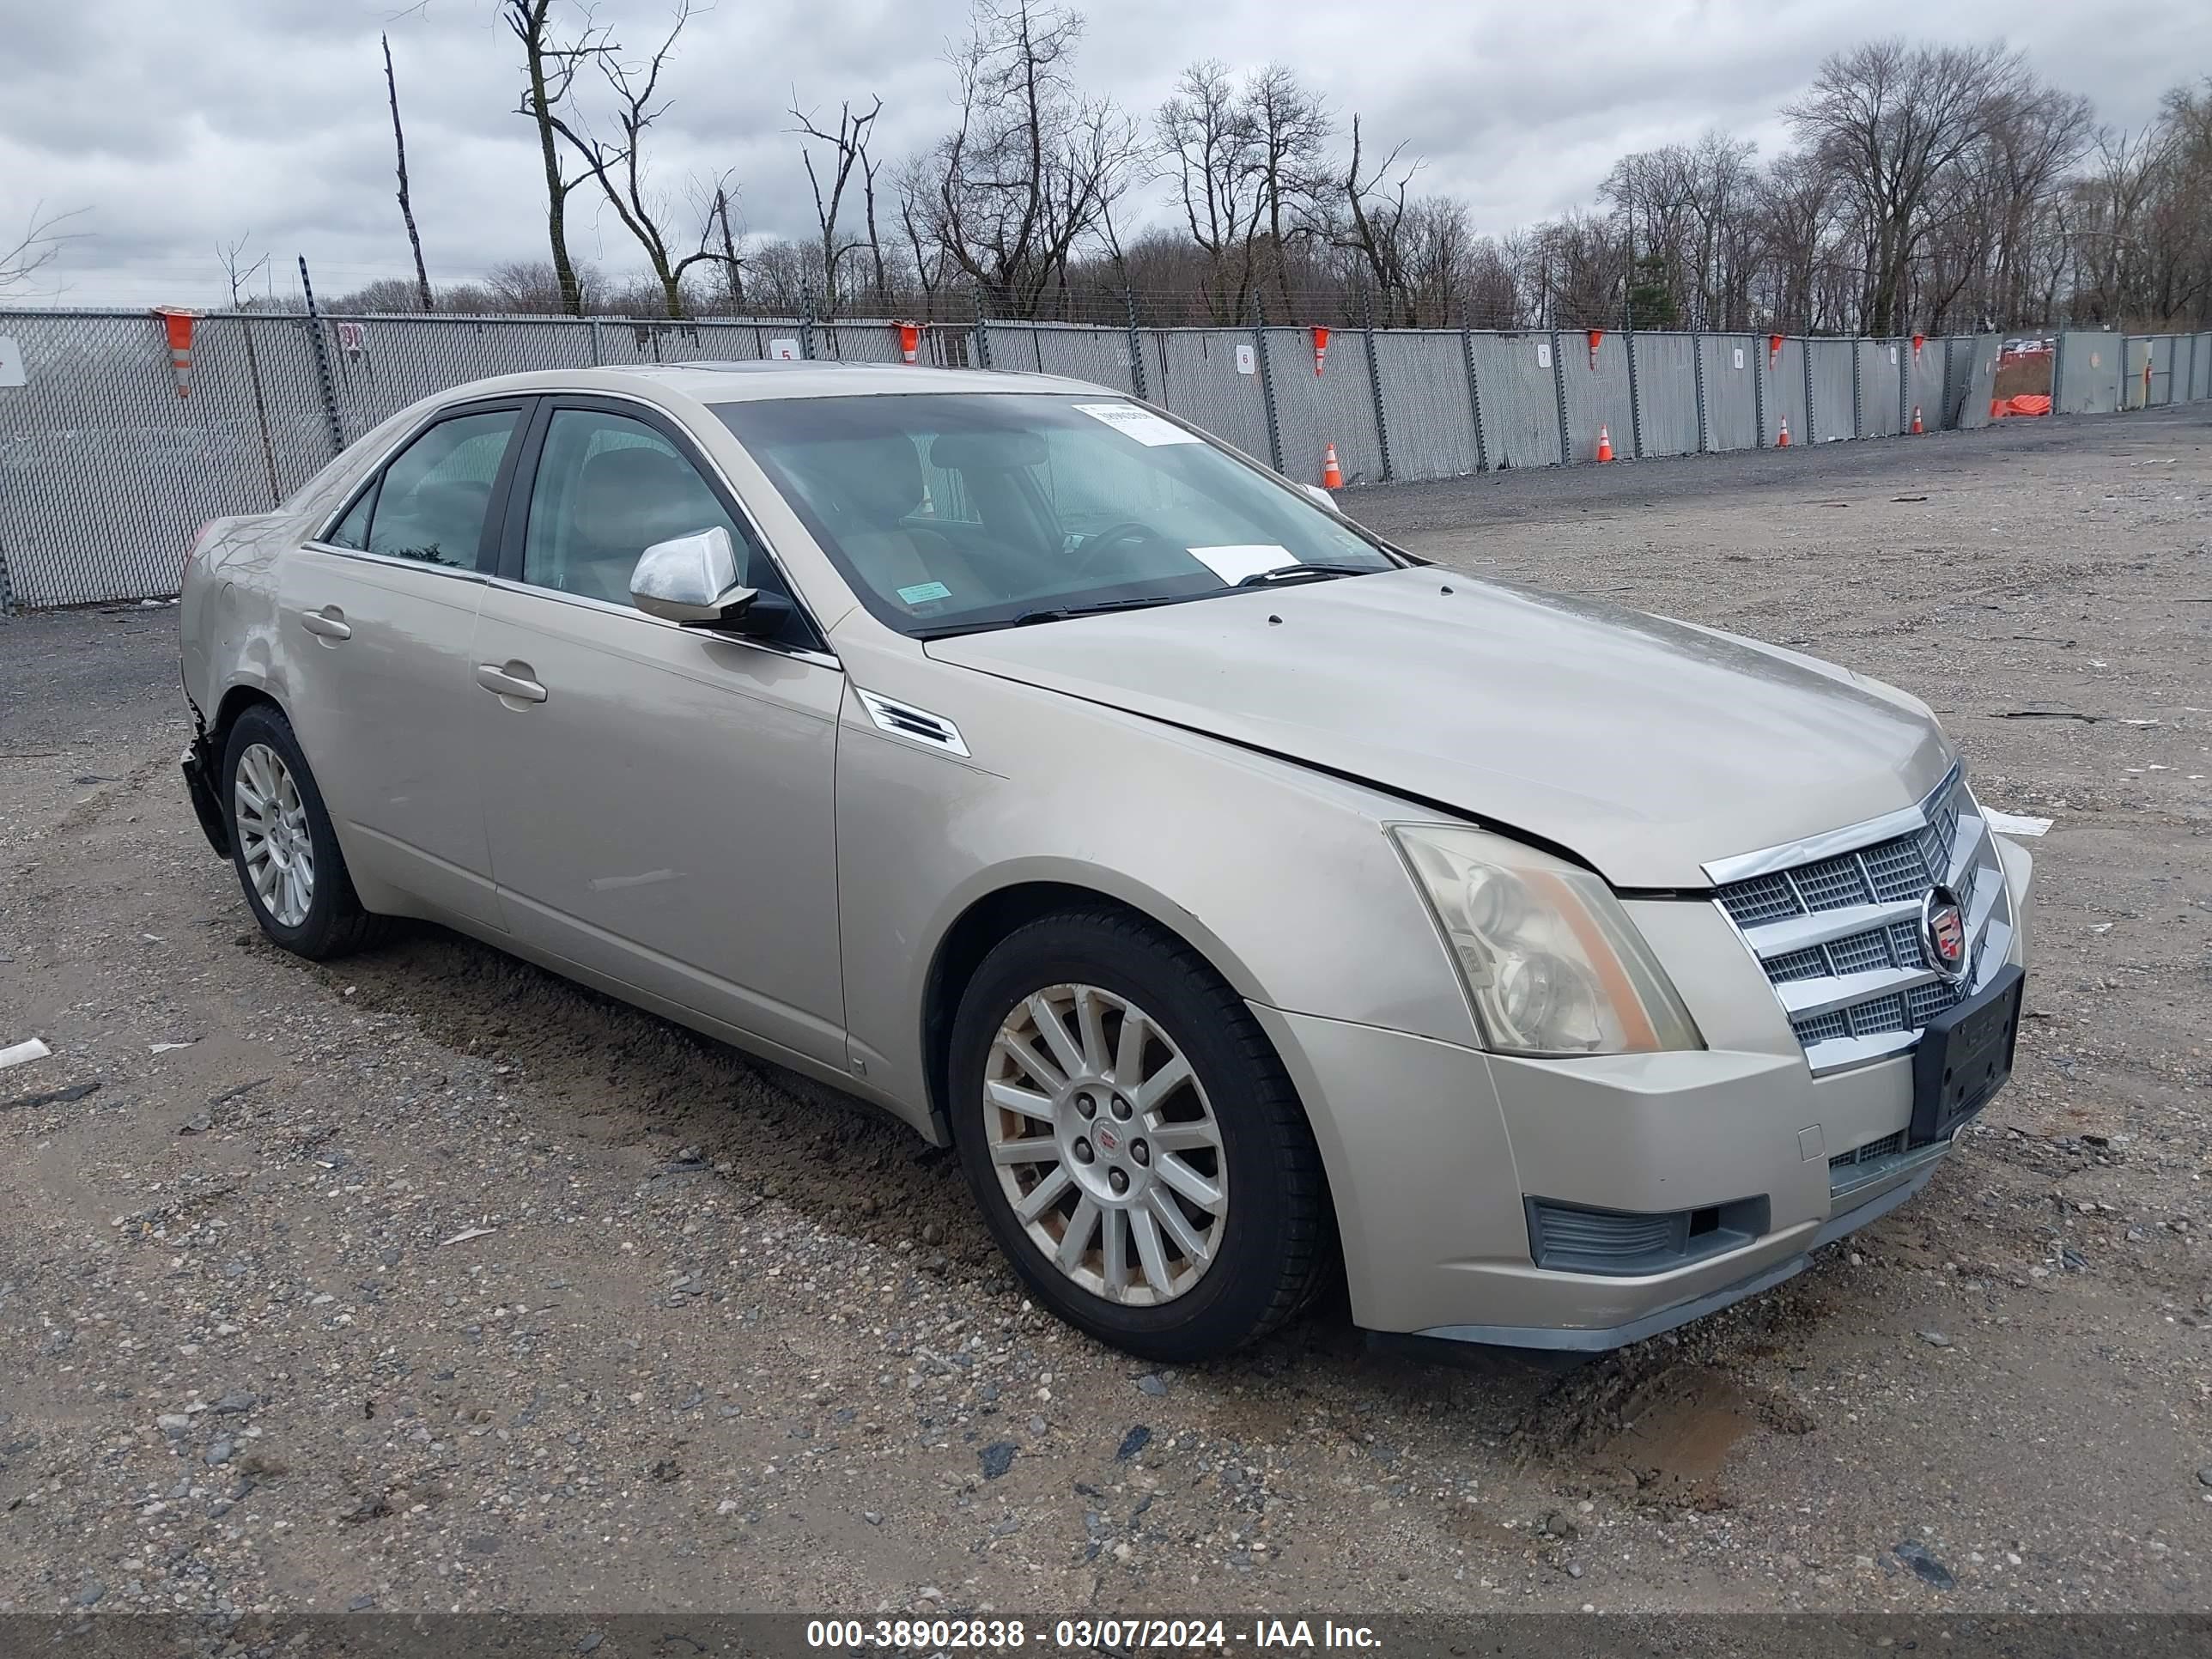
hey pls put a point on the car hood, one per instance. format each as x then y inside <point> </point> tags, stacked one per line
<point>1646,746</point>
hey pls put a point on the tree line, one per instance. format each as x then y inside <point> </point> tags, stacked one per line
<point>1931,187</point>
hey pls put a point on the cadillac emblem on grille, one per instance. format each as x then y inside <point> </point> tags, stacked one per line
<point>1943,931</point>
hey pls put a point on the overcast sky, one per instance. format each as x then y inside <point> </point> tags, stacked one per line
<point>179,127</point>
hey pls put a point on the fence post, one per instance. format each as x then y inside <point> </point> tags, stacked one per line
<point>1758,392</point>
<point>1905,386</point>
<point>1698,379</point>
<point>1375,380</point>
<point>1635,403</point>
<point>7,597</point>
<point>1266,383</point>
<point>322,362</point>
<point>1805,362</point>
<point>1136,346</point>
<point>982,331</point>
<point>1858,414</point>
<point>1560,397</point>
<point>806,321</point>
<point>260,409</point>
<point>597,358</point>
<point>1473,397</point>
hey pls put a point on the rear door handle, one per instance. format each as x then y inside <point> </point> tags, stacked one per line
<point>511,680</point>
<point>330,623</point>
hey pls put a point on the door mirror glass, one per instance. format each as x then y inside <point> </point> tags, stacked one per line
<point>692,579</point>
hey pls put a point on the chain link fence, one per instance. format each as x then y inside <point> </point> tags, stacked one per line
<point>106,471</point>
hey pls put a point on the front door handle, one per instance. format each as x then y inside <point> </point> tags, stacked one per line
<point>511,680</point>
<point>330,623</point>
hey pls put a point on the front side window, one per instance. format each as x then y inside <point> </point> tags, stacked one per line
<point>609,487</point>
<point>948,512</point>
<point>431,502</point>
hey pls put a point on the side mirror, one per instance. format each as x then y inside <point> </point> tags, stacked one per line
<point>1322,497</point>
<point>693,579</point>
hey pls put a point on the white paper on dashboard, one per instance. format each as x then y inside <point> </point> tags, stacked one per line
<point>1141,424</point>
<point>1233,564</point>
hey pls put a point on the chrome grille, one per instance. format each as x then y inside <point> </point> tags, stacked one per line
<point>1835,921</point>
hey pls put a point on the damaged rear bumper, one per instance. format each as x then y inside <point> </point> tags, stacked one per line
<point>199,768</point>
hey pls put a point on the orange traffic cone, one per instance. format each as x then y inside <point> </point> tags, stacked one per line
<point>1604,445</point>
<point>1782,442</point>
<point>1916,420</point>
<point>1332,475</point>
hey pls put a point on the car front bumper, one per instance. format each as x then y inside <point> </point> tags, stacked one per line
<point>1441,1158</point>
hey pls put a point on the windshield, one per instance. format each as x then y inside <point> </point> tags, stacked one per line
<point>948,512</point>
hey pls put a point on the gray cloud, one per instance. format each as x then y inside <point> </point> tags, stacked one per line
<point>179,128</point>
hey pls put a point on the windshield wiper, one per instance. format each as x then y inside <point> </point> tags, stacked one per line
<point>1056,613</point>
<point>1293,572</point>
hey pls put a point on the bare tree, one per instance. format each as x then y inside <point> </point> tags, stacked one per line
<point>1290,128</point>
<point>1213,148</point>
<point>399,149</point>
<point>1890,119</point>
<point>848,150</point>
<point>1370,193</point>
<point>535,288</point>
<point>875,237</point>
<point>39,246</point>
<point>550,66</point>
<point>915,185</point>
<point>1034,167</point>
<point>618,164</point>
<point>240,275</point>
<point>733,268</point>
<point>1582,258</point>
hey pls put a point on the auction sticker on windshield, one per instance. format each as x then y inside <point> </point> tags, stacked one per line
<point>1233,564</point>
<point>1141,424</point>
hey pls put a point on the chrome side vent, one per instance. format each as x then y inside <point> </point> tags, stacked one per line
<point>904,721</point>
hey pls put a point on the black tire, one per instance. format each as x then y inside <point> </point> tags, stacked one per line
<point>335,924</point>
<point>1278,1237</point>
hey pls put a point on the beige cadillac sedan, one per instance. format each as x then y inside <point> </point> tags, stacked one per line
<point>1247,901</point>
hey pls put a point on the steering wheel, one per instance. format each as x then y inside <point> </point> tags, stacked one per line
<point>1128,530</point>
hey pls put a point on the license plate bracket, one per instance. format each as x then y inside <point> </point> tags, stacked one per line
<point>1964,1056</point>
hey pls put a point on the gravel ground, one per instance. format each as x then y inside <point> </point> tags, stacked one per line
<point>428,1281</point>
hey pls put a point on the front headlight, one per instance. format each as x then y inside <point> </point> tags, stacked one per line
<point>1552,962</point>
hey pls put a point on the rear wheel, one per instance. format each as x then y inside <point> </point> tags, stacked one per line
<point>283,846</point>
<point>1132,1140</point>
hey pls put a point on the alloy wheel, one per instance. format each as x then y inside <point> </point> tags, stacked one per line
<point>1105,1145</point>
<point>273,838</point>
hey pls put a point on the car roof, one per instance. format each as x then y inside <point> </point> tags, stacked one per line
<point>747,382</point>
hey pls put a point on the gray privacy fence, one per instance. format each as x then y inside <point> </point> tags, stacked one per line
<point>106,471</point>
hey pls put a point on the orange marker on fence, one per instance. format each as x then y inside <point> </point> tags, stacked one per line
<point>179,326</point>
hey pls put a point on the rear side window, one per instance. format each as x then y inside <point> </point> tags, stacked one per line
<point>432,501</point>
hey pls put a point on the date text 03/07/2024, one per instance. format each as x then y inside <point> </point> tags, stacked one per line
<point>988,1635</point>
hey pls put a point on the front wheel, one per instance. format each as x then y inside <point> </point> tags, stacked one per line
<point>1133,1140</point>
